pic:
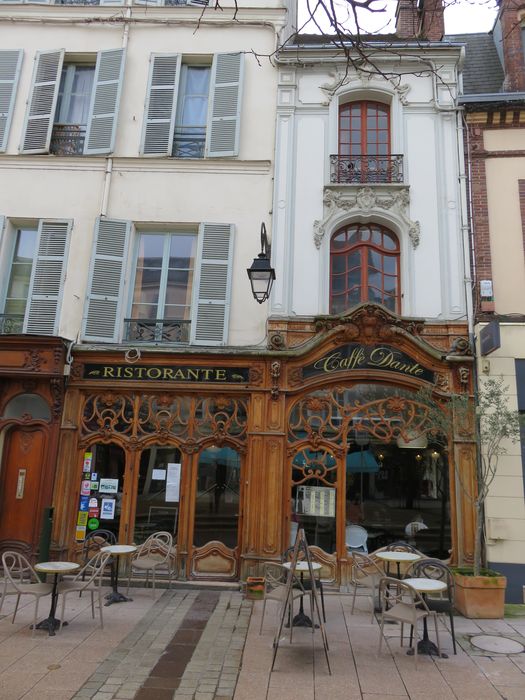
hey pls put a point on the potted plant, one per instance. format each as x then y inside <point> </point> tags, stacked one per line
<point>480,592</point>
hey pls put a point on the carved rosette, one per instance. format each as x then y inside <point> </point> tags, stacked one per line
<point>276,341</point>
<point>349,200</point>
<point>33,360</point>
<point>255,376</point>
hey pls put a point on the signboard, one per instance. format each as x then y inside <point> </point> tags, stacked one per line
<point>489,338</point>
<point>315,500</point>
<point>173,482</point>
<point>354,356</point>
<point>107,510</point>
<point>168,373</point>
<point>108,486</point>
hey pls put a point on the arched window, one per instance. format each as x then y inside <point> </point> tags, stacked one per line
<point>364,266</point>
<point>364,142</point>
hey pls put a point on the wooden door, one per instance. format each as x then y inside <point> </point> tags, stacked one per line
<point>20,488</point>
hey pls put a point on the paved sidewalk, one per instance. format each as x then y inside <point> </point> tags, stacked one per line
<point>205,645</point>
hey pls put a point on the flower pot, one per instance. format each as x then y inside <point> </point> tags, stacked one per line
<point>480,596</point>
<point>254,588</point>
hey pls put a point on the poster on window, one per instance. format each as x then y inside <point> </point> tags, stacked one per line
<point>172,483</point>
<point>108,486</point>
<point>315,500</point>
<point>107,509</point>
<point>88,458</point>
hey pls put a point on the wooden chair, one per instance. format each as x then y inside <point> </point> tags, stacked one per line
<point>89,579</point>
<point>21,579</point>
<point>155,554</point>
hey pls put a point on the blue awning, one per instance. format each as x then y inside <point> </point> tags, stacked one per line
<point>362,461</point>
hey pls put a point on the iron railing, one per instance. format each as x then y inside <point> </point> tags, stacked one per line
<point>77,2</point>
<point>188,142</point>
<point>11,324</point>
<point>158,330</point>
<point>68,140</point>
<point>366,169</point>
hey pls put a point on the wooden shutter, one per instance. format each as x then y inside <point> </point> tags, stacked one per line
<point>161,105</point>
<point>211,310</point>
<point>106,280</point>
<point>42,101</point>
<point>10,62</point>
<point>225,108</point>
<point>103,110</point>
<point>47,278</point>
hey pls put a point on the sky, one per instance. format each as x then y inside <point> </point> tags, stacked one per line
<point>462,16</point>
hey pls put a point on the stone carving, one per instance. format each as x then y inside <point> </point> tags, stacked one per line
<point>33,360</point>
<point>460,346</point>
<point>276,341</point>
<point>365,200</point>
<point>370,323</point>
<point>255,375</point>
<point>275,373</point>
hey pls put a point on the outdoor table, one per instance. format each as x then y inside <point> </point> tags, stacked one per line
<point>116,551</point>
<point>397,557</point>
<point>301,619</point>
<point>54,567</point>
<point>424,586</point>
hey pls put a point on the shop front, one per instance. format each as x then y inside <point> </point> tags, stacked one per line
<point>230,453</point>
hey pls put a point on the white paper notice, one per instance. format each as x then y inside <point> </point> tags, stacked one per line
<point>159,474</point>
<point>173,483</point>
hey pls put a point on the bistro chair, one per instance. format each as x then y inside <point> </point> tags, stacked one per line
<point>21,579</point>
<point>89,579</point>
<point>305,581</point>
<point>275,588</point>
<point>401,546</point>
<point>356,537</point>
<point>154,555</point>
<point>437,602</point>
<point>401,603</point>
<point>95,540</point>
<point>366,573</point>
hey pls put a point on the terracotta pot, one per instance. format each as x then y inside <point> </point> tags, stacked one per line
<point>480,596</point>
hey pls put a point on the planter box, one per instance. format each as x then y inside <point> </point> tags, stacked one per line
<point>480,596</point>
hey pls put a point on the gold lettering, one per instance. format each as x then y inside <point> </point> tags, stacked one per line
<point>193,374</point>
<point>168,373</point>
<point>153,373</point>
<point>128,372</point>
<point>220,375</point>
<point>206,373</point>
<point>140,371</point>
<point>179,374</point>
<point>383,357</point>
<point>108,371</point>
<point>119,372</point>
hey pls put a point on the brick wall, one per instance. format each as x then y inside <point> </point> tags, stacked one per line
<point>432,20</point>
<point>420,19</point>
<point>512,46</point>
<point>407,19</point>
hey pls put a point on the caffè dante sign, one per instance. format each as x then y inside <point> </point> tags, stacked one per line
<point>355,356</point>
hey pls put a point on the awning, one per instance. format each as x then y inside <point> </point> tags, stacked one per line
<point>362,461</point>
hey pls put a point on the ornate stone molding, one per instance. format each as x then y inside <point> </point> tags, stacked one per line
<point>340,201</point>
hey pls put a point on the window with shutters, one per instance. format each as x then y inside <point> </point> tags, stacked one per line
<point>36,265</point>
<point>162,289</point>
<point>364,266</point>
<point>193,107</point>
<point>72,110</point>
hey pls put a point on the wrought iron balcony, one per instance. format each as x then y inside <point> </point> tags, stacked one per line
<point>68,139</point>
<point>11,324</point>
<point>349,170</point>
<point>189,142</point>
<point>157,330</point>
<point>77,2</point>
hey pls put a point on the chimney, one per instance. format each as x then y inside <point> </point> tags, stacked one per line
<point>407,19</point>
<point>432,19</point>
<point>513,59</point>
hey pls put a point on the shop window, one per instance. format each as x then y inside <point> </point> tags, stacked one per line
<point>218,497</point>
<point>364,153</point>
<point>27,405</point>
<point>162,291</point>
<point>103,487</point>
<point>364,266</point>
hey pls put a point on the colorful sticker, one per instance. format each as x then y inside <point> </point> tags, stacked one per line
<point>94,512</point>
<point>82,518</point>
<point>84,503</point>
<point>85,488</point>
<point>108,486</point>
<point>107,511</point>
<point>88,457</point>
<point>94,485</point>
<point>94,476</point>
<point>93,523</point>
<point>93,503</point>
<point>80,533</point>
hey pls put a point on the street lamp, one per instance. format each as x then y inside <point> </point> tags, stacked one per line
<point>261,273</point>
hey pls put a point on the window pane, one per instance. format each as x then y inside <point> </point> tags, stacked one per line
<point>389,265</point>
<point>338,283</point>
<point>182,251</point>
<point>375,278</point>
<point>20,274</point>
<point>354,277</point>
<point>74,95</point>
<point>177,312</point>
<point>374,259</point>
<point>338,264</point>
<point>389,284</point>
<point>151,250</point>
<point>375,295</point>
<point>178,289</point>
<point>194,106</point>
<point>144,311</point>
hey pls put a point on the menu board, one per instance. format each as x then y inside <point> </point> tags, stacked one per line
<point>315,500</point>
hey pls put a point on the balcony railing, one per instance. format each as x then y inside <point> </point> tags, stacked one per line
<point>157,330</point>
<point>189,142</point>
<point>349,170</point>
<point>11,324</point>
<point>77,2</point>
<point>68,139</point>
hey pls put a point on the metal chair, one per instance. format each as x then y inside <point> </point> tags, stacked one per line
<point>438,603</point>
<point>401,546</point>
<point>89,578</point>
<point>356,537</point>
<point>366,573</point>
<point>275,588</point>
<point>153,555</point>
<point>402,603</point>
<point>306,583</point>
<point>95,540</point>
<point>21,579</point>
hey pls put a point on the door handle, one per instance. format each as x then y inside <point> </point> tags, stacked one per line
<point>20,483</point>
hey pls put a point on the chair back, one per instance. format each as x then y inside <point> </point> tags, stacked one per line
<point>18,570</point>
<point>434,569</point>
<point>94,541</point>
<point>158,544</point>
<point>364,566</point>
<point>356,537</point>
<point>401,546</point>
<point>92,570</point>
<point>393,591</point>
<point>274,576</point>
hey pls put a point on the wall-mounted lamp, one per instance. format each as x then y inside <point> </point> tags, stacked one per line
<point>261,272</point>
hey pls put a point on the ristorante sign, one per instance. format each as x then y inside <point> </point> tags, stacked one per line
<point>355,356</point>
<point>167,373</point>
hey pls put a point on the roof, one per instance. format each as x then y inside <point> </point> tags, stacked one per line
<point>482,72</point>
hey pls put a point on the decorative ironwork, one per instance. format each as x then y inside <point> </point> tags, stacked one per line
<point>314,464</point>
<point>349,170</point>
<point>221,417</point>
<point>165,415</point>
<point>108,414</point>
<point>188,142</point>
<point>157,330</point>
<point>68,140</point>
<point>11,324</point>
<point>77,2</point>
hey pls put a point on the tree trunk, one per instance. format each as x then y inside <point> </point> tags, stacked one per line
<point>477,542</point>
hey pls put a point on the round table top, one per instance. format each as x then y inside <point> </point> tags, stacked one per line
<point>56,567</point>
<point>119,548</point>
<point>397,556</point>
<point>302,565</point>
<point>426,585</point>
